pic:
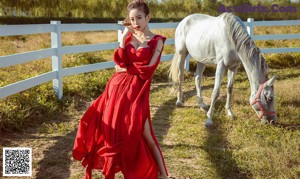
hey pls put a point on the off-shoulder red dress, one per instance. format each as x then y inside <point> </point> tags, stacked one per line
<point>110,133</point>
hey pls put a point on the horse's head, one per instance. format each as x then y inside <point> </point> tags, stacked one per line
<point>264,100</point>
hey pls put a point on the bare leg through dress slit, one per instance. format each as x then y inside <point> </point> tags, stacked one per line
<point>154,148</point>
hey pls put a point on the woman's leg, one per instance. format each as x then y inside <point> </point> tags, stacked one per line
<point>154,149</point>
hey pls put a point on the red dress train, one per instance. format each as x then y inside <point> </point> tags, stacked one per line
<point>110,133</point>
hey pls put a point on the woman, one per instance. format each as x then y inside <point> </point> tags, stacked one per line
<point>115,134</point>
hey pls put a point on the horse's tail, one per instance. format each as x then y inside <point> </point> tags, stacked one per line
<point>180,53</point>
<point>174,69</point>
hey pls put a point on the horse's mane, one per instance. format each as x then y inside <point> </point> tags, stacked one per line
<point>242,39</point>
<point>239,35</point>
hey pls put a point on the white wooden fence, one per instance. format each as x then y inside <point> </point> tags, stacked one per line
<point>57,50</point>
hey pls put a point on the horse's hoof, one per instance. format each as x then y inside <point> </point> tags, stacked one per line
<point>208,123</point>
<point>233,117</point>
<point>179,103</point>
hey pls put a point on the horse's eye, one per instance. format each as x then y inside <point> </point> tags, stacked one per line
<point>270,99</point>
<point>266,93</point>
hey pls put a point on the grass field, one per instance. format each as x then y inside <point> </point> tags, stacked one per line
<point>241,148</point>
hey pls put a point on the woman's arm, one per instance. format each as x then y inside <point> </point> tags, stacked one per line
<point>133,69</point>
<point>156,54</point>
<point>146,71</point>
<point>120,57</point>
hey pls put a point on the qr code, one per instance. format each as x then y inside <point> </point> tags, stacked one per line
<point>17,161</point>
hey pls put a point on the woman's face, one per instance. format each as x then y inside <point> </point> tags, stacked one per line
<point>138,19</point>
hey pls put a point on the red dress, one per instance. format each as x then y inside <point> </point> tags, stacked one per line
<point>110,133</point>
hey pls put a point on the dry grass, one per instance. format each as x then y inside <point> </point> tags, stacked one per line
<point>277,30</point>
<point>241,148</point>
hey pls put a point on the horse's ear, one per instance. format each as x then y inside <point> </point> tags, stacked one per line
<point>258,50</point>
<point>264,65</point>
<point>271,81</point>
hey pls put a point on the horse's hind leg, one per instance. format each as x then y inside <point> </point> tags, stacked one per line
<point>181,59</point>
<point>198,79</point>
<point>230,75</point>
<point>216,92</point>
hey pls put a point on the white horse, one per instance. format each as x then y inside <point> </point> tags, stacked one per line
<point>223,41</point>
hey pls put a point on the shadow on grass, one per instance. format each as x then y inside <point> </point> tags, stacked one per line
<point>161,118</point>
<point>24,129</point>
<point>216,144</point>
<point>292,127</point>
<point>221,156</point>
<point>34,129</point>
<point>56,161</point>
<point>292,123</point>
<point>285,76</point>
<point>219,149</point>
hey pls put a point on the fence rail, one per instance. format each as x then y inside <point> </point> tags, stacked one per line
<point>57,50</point>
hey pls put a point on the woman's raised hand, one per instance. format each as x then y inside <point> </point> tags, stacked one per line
<point>129,29</point>
<point>125,33</point>
<point>120,69</point>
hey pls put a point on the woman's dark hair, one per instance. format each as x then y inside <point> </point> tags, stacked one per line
<point>136,4</point>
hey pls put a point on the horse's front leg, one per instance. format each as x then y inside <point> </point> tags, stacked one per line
<point>216,92</point>
<point>230,75</point>
<point>198,79</point>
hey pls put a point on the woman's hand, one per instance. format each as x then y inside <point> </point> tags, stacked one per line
<point>130,28</point>
<point>125,33</point>
<point>120,69</point>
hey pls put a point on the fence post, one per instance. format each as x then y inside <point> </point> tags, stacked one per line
<point>57,59</point>
<point>250,27</point>
<point>120,30</point>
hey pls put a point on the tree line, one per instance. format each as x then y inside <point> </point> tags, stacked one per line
<point>164,9</point>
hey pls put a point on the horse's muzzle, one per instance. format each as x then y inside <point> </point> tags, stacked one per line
<point>269,119</point>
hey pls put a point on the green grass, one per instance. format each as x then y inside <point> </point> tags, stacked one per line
<point>241,148</point>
